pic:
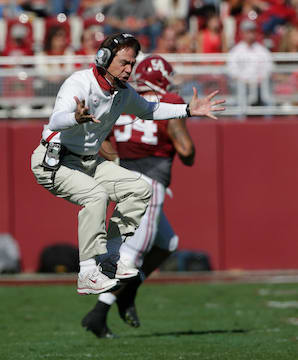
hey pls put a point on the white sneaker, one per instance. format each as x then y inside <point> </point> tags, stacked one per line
<point>124,272</point>
<point>95,282</point>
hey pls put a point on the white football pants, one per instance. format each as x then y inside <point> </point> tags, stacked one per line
<point>154,229</point>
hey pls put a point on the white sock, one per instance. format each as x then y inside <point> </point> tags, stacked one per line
<point>107,298</point>
<point>87,265</point>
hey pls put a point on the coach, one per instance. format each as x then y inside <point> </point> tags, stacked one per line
<point>68,165</point>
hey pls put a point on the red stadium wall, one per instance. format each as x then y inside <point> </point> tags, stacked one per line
<point>239,202</point>
<point>5,189</point>
<point>194,209</point>
<point>40,219</point>
<point>259,180</point>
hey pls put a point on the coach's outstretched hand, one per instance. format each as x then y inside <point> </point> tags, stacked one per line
<point>82,112</point>
<point>205,106</point>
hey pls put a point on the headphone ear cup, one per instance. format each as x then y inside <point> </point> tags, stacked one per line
<point>102,57</point>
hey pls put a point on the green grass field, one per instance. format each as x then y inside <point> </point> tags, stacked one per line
<point>190,321</point>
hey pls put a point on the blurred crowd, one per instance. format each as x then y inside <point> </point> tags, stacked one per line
<point>57,27</point>
<point>248,30</point>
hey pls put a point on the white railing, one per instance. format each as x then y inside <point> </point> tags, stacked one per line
<point>28,84</point>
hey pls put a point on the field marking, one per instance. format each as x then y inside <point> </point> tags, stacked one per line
<point>271,292</point>
<point>283,304</point>
<point>293,321</point>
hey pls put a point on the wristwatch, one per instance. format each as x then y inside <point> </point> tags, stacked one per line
<point>188,111</point>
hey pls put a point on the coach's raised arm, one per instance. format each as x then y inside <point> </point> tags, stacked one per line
<point>205,106</point>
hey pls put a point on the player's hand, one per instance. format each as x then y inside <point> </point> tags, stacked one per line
<point>205,106</point>
<point>82,112</point>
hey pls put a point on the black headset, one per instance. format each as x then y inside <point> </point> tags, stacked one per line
<point>104,55</point>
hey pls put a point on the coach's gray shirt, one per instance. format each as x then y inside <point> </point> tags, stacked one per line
<point>86,138</point>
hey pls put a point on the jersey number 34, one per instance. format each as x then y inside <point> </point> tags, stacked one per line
<point>147,127</point>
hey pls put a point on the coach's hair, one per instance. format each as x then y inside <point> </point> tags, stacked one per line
<point>111,45</point>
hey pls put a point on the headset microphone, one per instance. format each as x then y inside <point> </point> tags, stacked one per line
<point>118,82</point>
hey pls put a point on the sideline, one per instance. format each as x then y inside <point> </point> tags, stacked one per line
<point>230,276</point>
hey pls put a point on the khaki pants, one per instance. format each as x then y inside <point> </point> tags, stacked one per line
<point>92,184</point>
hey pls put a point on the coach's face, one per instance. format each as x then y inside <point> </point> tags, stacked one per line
<point>122,65</point>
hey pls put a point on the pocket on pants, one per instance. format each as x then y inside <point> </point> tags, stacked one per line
<point>42,176</point>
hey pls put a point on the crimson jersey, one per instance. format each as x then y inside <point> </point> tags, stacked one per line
<point>137,138</point>
<point>144,145</point>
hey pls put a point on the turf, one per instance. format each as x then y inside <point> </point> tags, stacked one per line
<point>189,321</point>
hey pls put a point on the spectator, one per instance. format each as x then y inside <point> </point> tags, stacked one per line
<point>90,8</point>
<point>294,4</point>
<point>137,17</point>
<point>90,41</point>
<point>289,40</point>
<point>175,38</point>
<point>167,41</point>
<point>211,39</point>
<point>286,83</point>
<point>36,7</point>
<point>56,44</point>
<point>250,64</point>
<point>185,40</point>
<point>204,8</point>
<point>68,7</point>
<point>244,10</point>
<point>270,15</point>
<point>275,14</point>
<point>17,43</point>
<point>168,10</point>
<point>10,9</point>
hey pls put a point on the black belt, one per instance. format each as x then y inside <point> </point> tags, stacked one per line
<point>68,152</point>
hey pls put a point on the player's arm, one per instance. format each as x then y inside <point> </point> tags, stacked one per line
<point>108,151</point>
<point>182,141</point>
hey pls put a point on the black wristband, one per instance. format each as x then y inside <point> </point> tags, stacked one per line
<point>188,111</point>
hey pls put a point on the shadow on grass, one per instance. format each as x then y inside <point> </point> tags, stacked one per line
<point>192,332</point>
